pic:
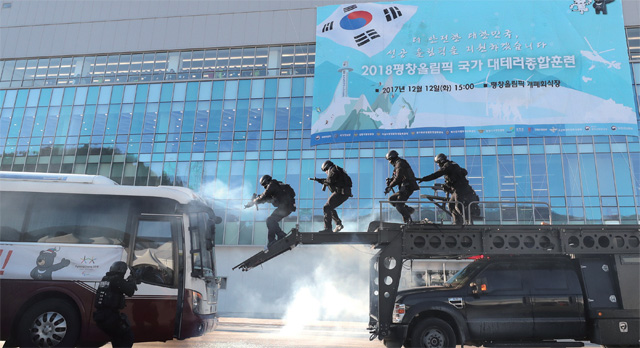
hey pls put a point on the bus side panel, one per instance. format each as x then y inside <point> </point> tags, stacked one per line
<point>32,291</point>
<point>152,317</point>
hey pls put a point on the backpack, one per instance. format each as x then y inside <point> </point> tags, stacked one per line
<point>288,193</point>
<point>346,179</point>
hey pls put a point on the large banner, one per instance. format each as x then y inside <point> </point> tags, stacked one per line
<point>41,261</point>
<point>471,69</point>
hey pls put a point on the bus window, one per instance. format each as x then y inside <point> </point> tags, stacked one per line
<point>13,207</point>
<point>81,219</point>
<point>153,253</point>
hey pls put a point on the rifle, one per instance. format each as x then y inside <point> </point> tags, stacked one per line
<point>136,274</point>
<point>389,180</point>
<point>320,181</point>
<point>252,203</point>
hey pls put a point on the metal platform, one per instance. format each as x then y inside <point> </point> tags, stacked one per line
<point>400,242</point>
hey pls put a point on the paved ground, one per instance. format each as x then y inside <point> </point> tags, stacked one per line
<point>271,333</point>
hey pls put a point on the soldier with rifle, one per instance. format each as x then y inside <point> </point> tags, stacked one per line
<point>457,185</point>
<point>404,178</point>
<point>282,197</point>
<point>110,300</point>
<point>339,184</point>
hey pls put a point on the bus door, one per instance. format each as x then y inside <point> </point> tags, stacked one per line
<point>154,259</point>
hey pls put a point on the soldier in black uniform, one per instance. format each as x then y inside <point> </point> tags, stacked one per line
<point>456,183</point>
<point>404,178</point>
<point>110,300</point>
<point>282,197</point>
<point>339,184</point>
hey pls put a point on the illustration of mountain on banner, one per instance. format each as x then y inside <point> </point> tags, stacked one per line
<point>368,28</point>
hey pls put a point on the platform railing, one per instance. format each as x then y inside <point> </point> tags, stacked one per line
<point>466,211</point>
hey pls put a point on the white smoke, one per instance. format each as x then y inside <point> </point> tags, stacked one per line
<point>217,190</point>
<point>336,290</point>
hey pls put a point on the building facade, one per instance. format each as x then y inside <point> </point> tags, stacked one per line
<point>214,94</point>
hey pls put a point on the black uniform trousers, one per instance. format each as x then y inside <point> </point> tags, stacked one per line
<point>273,223</point>
<point>116,326</point>
<point>403,194</point>
<point>463,196</point>
<point>330,213</point>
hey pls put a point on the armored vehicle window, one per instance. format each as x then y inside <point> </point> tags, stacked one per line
<point>552,275</point>
<point>504,276</point>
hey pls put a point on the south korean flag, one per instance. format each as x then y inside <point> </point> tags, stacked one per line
<point>368,28</point>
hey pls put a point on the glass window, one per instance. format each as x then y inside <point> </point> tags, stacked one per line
<point>87,219</point>
<point>112,65</point>
<point>185,62</point>
<point>160,65</point>
<point>244,89</point>
<point>284,88</point>
<point>287,57</point>
<point>197,61</point>
<point>43,66</point>
<point>273,62</point>
<point>19,70</point>
<point>262,54</point>
<point>222,62</point>
<point>147,63</point>
<point>13,206</point>
<point>30,72</point>
<point>571,175</point>
<point>209,63</point>
<point>88,66</point>
<point>231,90</point>
<point>65,67</point>
<point>54,67</point>
<point>179,92</point>
<point>7,71</point>
<point>100,65</point>
<point>153,254</point>
<point>248,57</point>
<point>124,64</point>
<point>501,277</point>
<point>130,64</point>
<point>235,61</point>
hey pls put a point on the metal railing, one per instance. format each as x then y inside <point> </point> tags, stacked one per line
<point>466,211</point>
<point>514,203</point>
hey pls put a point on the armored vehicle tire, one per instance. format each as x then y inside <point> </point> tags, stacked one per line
<point>49,323</point>
<point>433,333</point>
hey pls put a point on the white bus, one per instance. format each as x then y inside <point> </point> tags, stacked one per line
<point>60,233</point>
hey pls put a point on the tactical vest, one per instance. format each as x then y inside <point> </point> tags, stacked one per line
<point>108,298</point>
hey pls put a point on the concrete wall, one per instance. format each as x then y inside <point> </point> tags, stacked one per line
<point>43,28</point>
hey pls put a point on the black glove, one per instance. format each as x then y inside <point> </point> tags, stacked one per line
<point>387,190</point>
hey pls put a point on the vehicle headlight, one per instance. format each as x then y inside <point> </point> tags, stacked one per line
<point>197,301</point>
<point>398,313</point>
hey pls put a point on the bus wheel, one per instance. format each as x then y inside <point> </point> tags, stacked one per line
<point>433,333</point>
<point>49,323</point>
